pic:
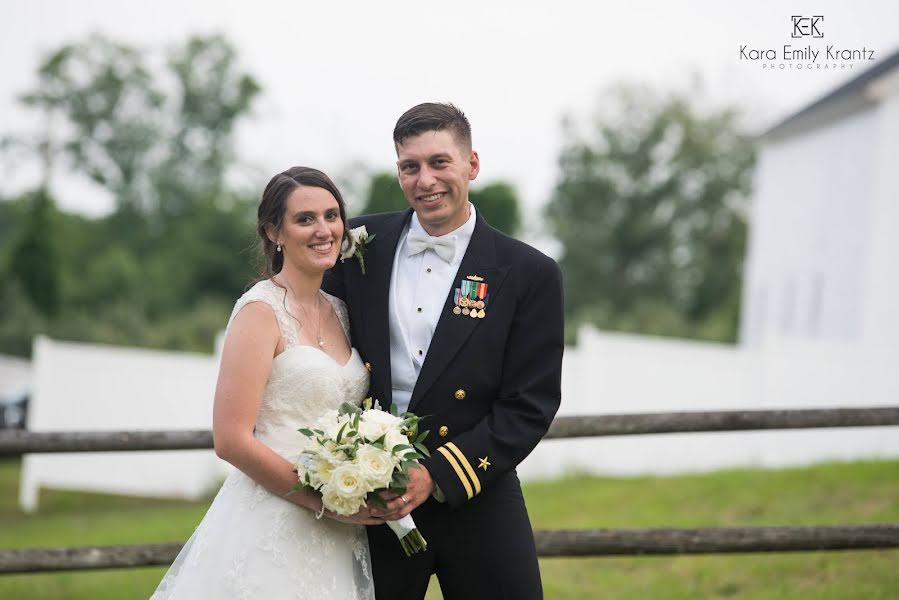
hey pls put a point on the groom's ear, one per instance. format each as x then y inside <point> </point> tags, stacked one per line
<point>474,165</point>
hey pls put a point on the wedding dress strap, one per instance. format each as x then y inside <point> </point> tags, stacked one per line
<point>272,294</point>
<point>341,312</point>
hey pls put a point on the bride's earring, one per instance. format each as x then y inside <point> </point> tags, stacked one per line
<point>279,246</point>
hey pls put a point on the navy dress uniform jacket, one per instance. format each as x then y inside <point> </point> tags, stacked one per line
<point>488,389</point>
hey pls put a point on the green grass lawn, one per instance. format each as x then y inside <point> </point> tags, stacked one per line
<point>831,494</point>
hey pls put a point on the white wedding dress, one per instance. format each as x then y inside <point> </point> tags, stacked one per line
<point>253,544</point>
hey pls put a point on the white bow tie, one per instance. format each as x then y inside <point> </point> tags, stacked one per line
<point>445,246</point>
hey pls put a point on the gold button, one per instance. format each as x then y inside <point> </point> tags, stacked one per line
<point>368,366</point>
<point>460,394</point>
<point>444,431</point>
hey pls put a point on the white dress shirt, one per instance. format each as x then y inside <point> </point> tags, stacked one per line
<point>419,286</point>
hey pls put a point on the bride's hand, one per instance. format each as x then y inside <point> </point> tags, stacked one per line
<point>363,517</point>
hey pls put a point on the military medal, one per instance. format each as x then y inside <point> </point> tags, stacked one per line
<point>478,295</point>
<point>457,310</point>
<point>470,298</point>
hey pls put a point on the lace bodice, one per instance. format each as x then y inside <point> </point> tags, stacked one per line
<point>304,381</point>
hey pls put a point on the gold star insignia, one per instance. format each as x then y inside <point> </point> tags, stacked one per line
<point>484,463</point>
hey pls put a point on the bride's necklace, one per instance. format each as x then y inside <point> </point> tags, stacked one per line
<point>318,326</point>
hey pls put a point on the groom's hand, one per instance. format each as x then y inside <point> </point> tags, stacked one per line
<point>419,488</point>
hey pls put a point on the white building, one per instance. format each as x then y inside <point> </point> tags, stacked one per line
<point>823,254</point>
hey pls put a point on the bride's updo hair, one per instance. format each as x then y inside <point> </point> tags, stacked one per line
<point>274,204</point>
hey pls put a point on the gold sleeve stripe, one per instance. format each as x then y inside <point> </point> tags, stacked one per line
<point>452,461</point>
<point>471,474</point>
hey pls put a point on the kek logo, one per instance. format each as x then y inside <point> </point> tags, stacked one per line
<point>807,26</point>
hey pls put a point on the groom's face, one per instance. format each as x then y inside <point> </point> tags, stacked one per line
<point>434,171</point>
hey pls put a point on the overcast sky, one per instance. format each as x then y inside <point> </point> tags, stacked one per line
<point>336,75</point>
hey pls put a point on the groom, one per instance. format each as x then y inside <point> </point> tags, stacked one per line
<point>462,325</point>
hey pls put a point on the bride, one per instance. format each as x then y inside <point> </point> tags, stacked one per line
<point>286,360</point>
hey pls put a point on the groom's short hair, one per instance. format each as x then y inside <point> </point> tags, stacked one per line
<point>433,116</point>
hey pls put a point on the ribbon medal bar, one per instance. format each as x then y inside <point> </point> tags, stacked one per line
<point>470,298</point>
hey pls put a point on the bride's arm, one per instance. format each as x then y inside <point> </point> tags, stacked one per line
<point>247,356</point>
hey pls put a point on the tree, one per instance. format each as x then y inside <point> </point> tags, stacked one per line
<point>35,258</point>
<point>650,209</point>
<point>384,195</point>
<point>110,111</point>
<point>158,154</point>
<point>498,204</point>
<point>165,267</point>
<point>213,94</point>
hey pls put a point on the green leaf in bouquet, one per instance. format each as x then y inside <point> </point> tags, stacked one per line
<point>318,432</point>
<point>306,431</point>
<point>393,409</point>
<point>375,498</point>
<point>401,447</point>
<point>299,486</point>
<point>399,480</point>
<point>422,448</point>
<point>340,432</point>
<point>421,436</point>
<point>348,409</point>
<point>413,456</point>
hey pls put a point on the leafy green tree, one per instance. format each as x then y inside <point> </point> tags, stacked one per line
<point>158,154</point>
<point>212,95</point>
<point>20,319</point>
<point>164,268</point>
<point>650,209</point>
<point>35,258</point>
<point>110,112</point>
<point>384,195</point>
<point>498,204</point>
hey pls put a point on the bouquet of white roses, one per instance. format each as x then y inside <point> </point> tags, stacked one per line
<point>355,452</point>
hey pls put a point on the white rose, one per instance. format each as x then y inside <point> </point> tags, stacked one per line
<point>375,423</point>
<point>395,438</point>
<point>322,465</point>
<point>331,424</point>
<point>375,467</point>
<point>345,492</point>
<point>334,502</point>
<point>347,481</point>
<point>357,237</point>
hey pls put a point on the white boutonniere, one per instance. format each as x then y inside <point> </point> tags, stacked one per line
<point>358,239</point>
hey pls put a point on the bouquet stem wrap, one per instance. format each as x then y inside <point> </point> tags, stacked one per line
<point>408,534</point>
